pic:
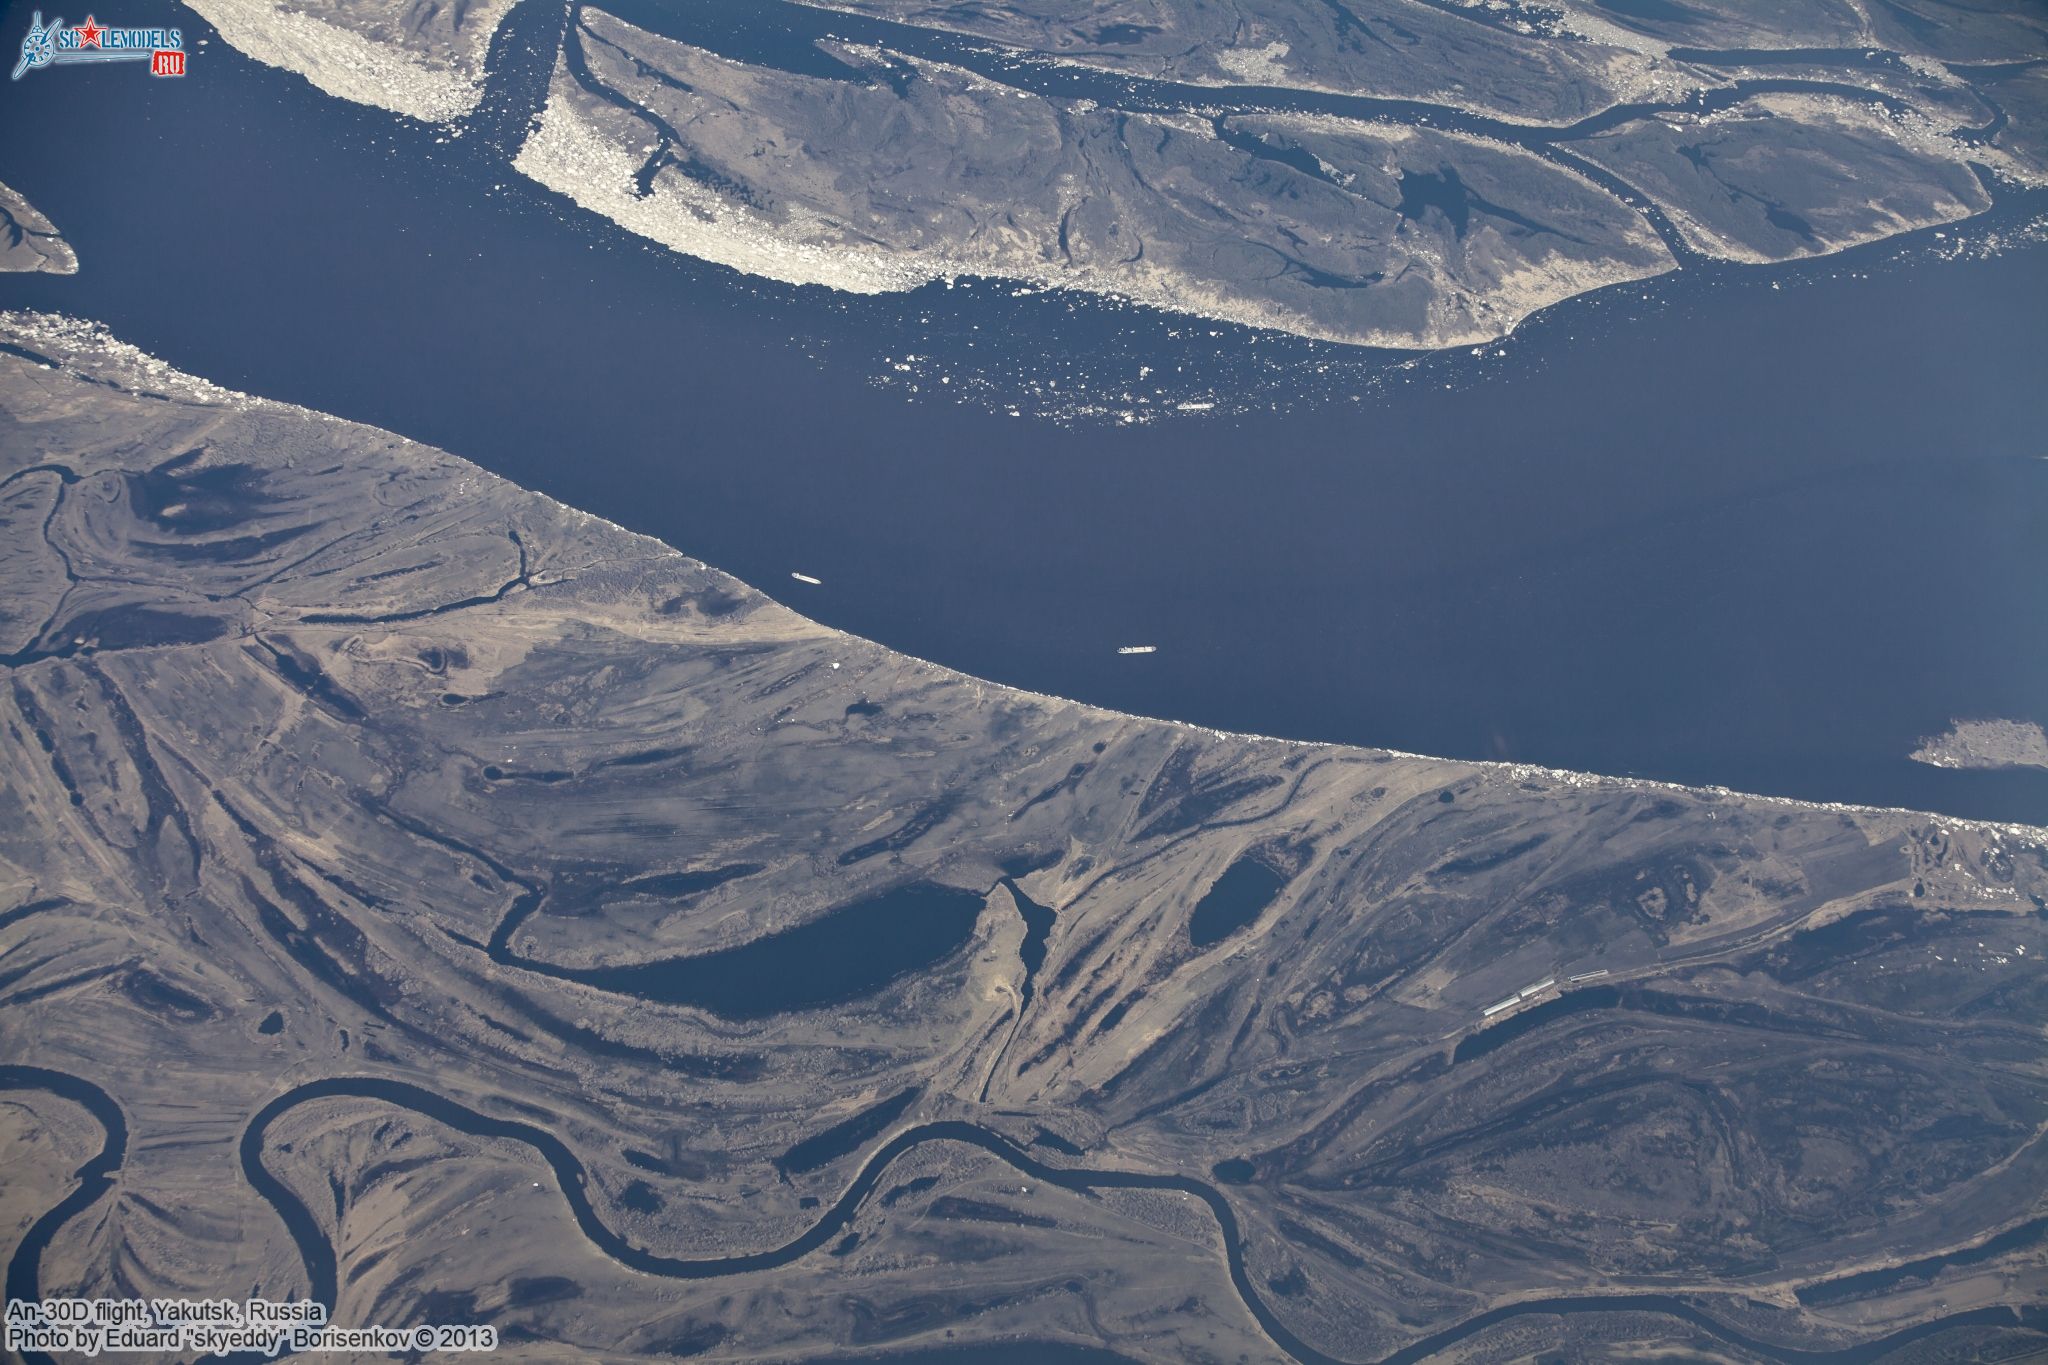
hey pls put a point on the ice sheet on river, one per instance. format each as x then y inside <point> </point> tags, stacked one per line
<point>416,57</point>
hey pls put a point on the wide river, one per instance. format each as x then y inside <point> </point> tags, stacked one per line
<point>1764,528</point>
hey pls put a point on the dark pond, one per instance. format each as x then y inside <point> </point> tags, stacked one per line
<point>850,952</point>
<point>1236,899</point>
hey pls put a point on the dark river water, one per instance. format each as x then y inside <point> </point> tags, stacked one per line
<point>573,1182</point>
<point>1763,528</point>
<point>317,1255</point>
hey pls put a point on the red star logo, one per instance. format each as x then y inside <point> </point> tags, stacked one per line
<point>89,32</point>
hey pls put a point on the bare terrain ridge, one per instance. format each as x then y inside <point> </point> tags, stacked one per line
<point>446,900</point>
<point>29,241</point>
<point>422,58</point>
<point>1405,174</point>
<point>1987,744</point>
<point>1548,63</point>
<point>1324,227</point>
<point>1407,225</point>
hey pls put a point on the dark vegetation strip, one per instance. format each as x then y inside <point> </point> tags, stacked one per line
<point>1868,1282</point>
<point>22,912</point>
<point>822,1149</point>
<point>1514,1026</point>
